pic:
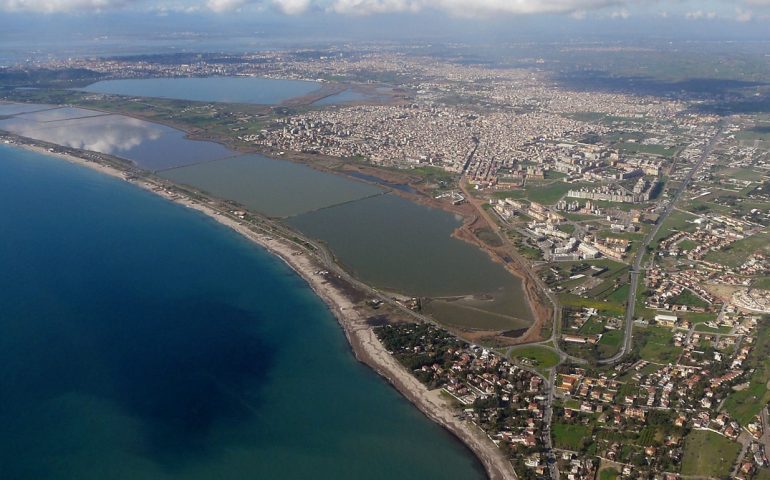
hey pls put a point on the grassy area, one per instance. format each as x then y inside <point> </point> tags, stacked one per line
<point>569,436</point>
<point>609,474</point>
<point>688,244</point>
<point>576,302</point>
<point>677,221</point>
<point>706,329</point>
<point>696,317</point>
<point>737,253</point>
<point>762,474</point>
<point>610,343</point>
<point>744,405</point>
<point>662,150</point>
<point>433,174</point>
<point>592,327</point>
<point>550,193</point>
<point>708,454</point>
<point>620,295</point>
<point>689,298</point>
<point>542,357</point>
<point>502,194</point>
<point>656,345</point>
<point>489,237</point>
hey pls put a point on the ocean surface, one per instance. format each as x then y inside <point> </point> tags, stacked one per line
<point>141,340</point>
<point>268,91</point>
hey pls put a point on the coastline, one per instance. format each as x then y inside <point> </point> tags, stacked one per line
<point>360,335</point>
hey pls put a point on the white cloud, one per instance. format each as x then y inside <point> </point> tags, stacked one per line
<point>471,8</point>
<point>225,5</point>
<point>578,9</point>
<point>623,14</point>
<point>292,7</point>
<point>53,6</point>
<point>700,15</point>
<point>742,15</point>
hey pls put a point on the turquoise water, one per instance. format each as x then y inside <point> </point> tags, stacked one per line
<point>267,91</point>
<point>141,340</point>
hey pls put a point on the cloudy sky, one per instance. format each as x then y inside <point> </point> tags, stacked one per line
<point>735,10</point>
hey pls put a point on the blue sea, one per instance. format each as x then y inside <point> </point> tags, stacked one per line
<point>141,340</point>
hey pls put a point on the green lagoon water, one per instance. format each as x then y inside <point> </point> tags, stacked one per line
<point>257,90</point>
<point>141,340</point>
<point>273,187</point>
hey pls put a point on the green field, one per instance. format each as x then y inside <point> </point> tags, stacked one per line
<point>762,474</point>
<point>543,357</point>
<point>569,436</point>
<point>689,298</point>
<point>677,221</point>
<point>620,295</point>
<point>706,329</point>
<point>592,327</point>
<point>548,194</point>
<point>609,474</point>
<point>737,253</point>
<point>574,301</point>
<point>610,343</point>
<point>708,454</point>
<point>657,345</point>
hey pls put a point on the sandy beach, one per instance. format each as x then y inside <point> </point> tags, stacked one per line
<point>365,344</point>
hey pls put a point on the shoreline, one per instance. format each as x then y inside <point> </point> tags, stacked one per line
<point>360,335</point>
<point>540,310</point>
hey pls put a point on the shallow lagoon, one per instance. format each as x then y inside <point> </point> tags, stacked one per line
<point>273,187</point>
<point>256,90</point>
<point>149,145</point>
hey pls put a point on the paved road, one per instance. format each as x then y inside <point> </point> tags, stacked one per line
<point>636,268</point>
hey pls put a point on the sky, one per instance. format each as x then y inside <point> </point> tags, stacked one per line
<point>104,27</point>
<point>736,10</point>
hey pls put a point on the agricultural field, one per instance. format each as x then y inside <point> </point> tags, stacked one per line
<point>656,345</point>
<point>708,454</point>
<point>568,436</point>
